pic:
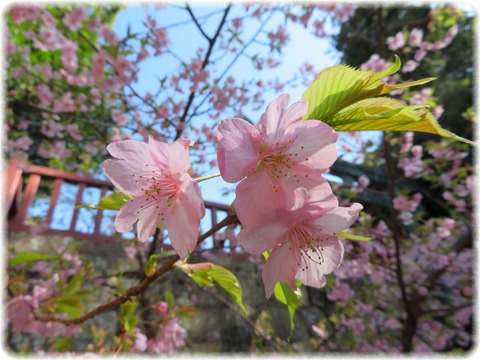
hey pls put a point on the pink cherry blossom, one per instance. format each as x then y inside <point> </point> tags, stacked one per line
<point>160,308</point>
<point>74,19</point>
<point>396,42</point>
<point>170,340</point>
<point>157,175</point>
<point>363,180</point>
<point>415,38</point>
<point>285,154</point>
<point>302,236</point>
<point>410,66</point>
<point>420,55</point>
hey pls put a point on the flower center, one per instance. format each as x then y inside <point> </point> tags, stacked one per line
<point>310,241</point>
<point>278,161</point>
<point>158,184</point>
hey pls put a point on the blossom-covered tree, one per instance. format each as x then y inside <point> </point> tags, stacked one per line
<point>395,276</point>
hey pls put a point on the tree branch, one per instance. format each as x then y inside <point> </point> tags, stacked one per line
<point>204,64</point>
<point>140,287</point>
<point>189,9</point>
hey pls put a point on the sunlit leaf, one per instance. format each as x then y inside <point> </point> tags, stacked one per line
<point>74,285</point>
<point>348,100</point>
<point>29,256</point>
<point>127,315</point>
<point>70,305</point>
<point>205,274</point>
<point>113,201</point>
<point>353,237</point>
<point>151,265</point>
<point>292,299</point>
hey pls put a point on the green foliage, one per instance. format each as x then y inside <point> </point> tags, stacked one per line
<point>113,201</point>
<point>127,315</point>
<point>353,237</point>
<point>206,274</point>
<point>347,99</point>
<point>291,299</point>
<point>29,256</point>
<point>151,265</point>
<point>288,297</point>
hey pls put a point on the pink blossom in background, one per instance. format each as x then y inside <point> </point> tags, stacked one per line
<point>437,111</point>
<point>109,36</point>
<point>285,154</point>
<point>363,181</point>
<point>301,234</point>
<point>415,38</point>
<point>20,14</point>
<point>157,175</point>
<point>278,38</point>
<point>74,19</point>
<point>410,66</point>
<point>375,64</point>
<point>171,339</point>
<point>420,55</point>
<point>69,55</point>
<point>64,104</point>
<point>396,42</point>
<point>160,308</point>
<point>140,344</point>
<point>119,117</point>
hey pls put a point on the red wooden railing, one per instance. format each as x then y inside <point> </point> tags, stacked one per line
<point>22,184</point>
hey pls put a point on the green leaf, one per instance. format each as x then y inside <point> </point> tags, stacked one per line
<point>170,299</point>
<point>229,283</point>
<point>292,299</point>
<point>113,201</point>
<point>151,265</point>
<point>385,113</point>
<point>127,315</point>
<point>353,237</point>
<point>69,305</point>
<point>344,98</point>
<point>74,285</point>
<point>205,274</point>
<point>29,256</point>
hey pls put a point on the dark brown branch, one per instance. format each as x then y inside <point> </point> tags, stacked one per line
<point>197,24</point>
<point>140,287</point>
<point>206,59</point>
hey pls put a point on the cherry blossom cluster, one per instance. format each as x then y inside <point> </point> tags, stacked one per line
<point>282,200</point>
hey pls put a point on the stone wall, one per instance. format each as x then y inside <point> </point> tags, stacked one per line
<point>216,326</point>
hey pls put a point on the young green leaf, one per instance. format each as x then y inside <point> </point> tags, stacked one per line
<point>29,256</point>
<point>113,201</point>
<point>205,274</point>
<point>292,299</point>
<point>353,237</point>
<point>151,265</point>
<point>347,99</point>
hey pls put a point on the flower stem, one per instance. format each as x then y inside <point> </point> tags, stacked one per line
<point>207,177</point>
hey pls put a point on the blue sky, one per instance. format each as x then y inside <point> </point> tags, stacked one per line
<point>185,39</point>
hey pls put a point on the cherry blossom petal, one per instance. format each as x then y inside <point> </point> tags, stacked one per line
<point>314,270</point>
<point>174,156</point>
<point>237,149</point>
<point>312,141</point>
<point>271,118</point>
<point>183,223</point>
<point>128,214</point>
<point>256,240</point>
<point>191,195</point>
<point>150,215</point>
<point>131,159</point>
<point>280,266</point>
<point>339,218</point>
<point>255,196</point>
